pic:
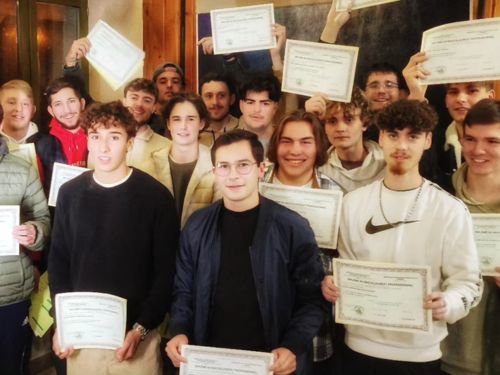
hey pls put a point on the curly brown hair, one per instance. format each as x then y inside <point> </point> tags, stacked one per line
<point>412,114</point>
<point>358,101</point>
<point>108,115</point>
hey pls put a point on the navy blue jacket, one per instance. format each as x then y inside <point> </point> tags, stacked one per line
<point>287,272</point>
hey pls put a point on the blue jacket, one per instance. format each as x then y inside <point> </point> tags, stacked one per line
<point>287,272</point>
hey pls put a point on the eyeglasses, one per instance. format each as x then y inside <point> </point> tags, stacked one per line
<point>223,169</point>
<point>388,85</point>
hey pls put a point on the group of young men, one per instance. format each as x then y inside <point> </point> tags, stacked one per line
<point>170,218</point>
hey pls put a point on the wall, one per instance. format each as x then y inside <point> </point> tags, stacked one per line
<point>126,17</point>
<point>203,6</point>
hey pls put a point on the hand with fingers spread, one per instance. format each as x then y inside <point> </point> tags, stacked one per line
<point>334,22</point>
<point>285,362</point>
<point>413,73</point>
<point>79,49</point>
<point>317,105</point>
<point>437,303</point>
<point>207,45</point>
<point>329,290</point>
<point>25,234</point>
<point>173,349</point>
<point>61,353</point>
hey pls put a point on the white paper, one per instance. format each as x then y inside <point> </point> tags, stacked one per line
<point>61,174</point>
<point>242,29</point>
<point>9,218</point>
<point>382,296</point>
<point>358,4</point>
<point>202,360</point>
<point>90,320</point>
<point>311,68</point>
<point>320,207</point>
<point>466,51</point>
<point>487,237</point>
<point>112,55</point>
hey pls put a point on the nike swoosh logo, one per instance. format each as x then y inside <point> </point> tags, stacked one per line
<point>372,229</point>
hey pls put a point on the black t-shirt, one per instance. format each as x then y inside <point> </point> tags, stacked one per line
<point>236,321</point>
<point>181,174</point>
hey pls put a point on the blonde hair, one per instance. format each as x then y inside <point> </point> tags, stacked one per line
<point>18,84</point>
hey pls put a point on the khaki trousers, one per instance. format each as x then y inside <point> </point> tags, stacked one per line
<point>146,360</point>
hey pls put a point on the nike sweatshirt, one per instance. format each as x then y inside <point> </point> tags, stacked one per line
<point>431,228</point>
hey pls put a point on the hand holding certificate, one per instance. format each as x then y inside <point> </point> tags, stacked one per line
<point>217,361</point>
<point>487,237</point>
<point>60,174</point>
<point>90,320</point>
<point>112,55</point>
<point>462,52</point>
<point>310,68</point>
<point>320,207</point>
<point>383,296</point>
<point>9,218</point>
<point>242,29</point>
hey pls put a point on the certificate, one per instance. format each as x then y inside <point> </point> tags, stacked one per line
<point>202,360</point>
<point>487,236</point>
<point>25,151</point>
<point>382,296</point>
<point>9,218</point>
<point>242,29</point>
<point>462,52</point>
<point>310,68</point>
<point>320,207</point>
<point>357,4</point>
<point>112,55</point>
<point>90,320</point>
<point>60,174</point>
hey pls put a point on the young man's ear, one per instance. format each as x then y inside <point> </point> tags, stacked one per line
<point>51,112</point>
<point>428,140</point>
<point>82,103</point>
<point>130,143</point>
<point>232,99</point>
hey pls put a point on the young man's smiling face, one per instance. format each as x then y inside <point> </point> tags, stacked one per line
<point>108,148</point>
<point>382,89</point>
<point>184,124</point>
<point>217,99</point>
<point>141,104</point>
<point>481,149</point>
<point>65,107</point>
<point>18,109</point>
<point>460,97</point>
<point>240,191</point>
<point>296,153</point>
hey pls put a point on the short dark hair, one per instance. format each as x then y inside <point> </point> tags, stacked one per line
<point>259,82</point>
<point>402,114</point>
<point>238,135</point>
<point>484,112</point>
<point>316,128</point>
<point>141,84</point>
<point>108,115</point>
<point>62,83</point>
<point>195,100</point>
<point>358,101</point>
<point>218,77</point>
<point>383,67</point>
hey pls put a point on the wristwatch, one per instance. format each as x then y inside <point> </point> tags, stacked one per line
<point>143,331</point>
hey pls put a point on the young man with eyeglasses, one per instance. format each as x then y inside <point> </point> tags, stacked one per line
<point>248,271</point>
<point>405,219</point>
